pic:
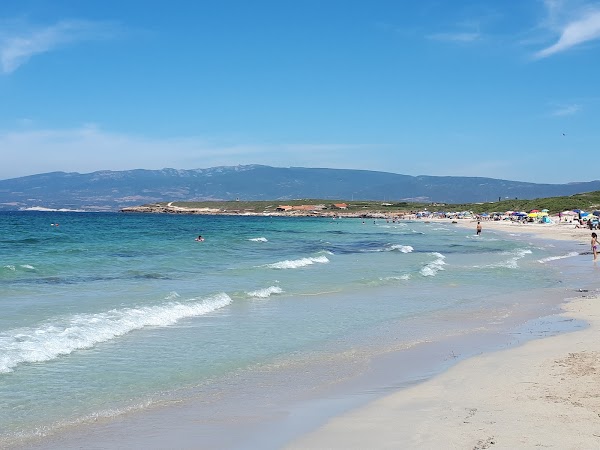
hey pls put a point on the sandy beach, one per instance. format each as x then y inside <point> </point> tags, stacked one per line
<point>543,394</point>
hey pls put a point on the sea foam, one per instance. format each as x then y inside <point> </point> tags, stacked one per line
<point>266,292</point>
<point>258,239</point>
<point>296,263</point>
<point>512,262</point>
<point>401,248</point>
<point>554,258</point>
<point>434,267</point>
<point>63,336</point>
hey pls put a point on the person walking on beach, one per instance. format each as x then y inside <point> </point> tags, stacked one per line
<point>478,228</point>
<point>595,245</point>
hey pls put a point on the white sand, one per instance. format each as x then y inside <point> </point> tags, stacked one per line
<point>543,394</point>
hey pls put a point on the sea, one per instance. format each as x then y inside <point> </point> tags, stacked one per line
<point>122,331</point>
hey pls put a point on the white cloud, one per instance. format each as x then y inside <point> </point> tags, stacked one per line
<point>583,27</point>
<point>17,47</point>
<point>88,149</point>
<point>567,110</point>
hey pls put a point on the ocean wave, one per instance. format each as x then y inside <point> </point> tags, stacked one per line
<point>266,292</point>
<point>401,248</point>
<point>404,277</point>
<point>511,263</point>
<point>296,263</point>
<point>554,258</point>
<point>259,239</point>
<point>431,269</point>
<point>83,331</point>
<point>15,268</point>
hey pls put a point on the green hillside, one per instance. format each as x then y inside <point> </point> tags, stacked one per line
<point>587,201</point>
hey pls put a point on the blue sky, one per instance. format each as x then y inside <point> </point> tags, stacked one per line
<point>502,89</point>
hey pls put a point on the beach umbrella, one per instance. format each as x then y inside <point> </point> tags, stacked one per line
<point>545,210</point>
<point>584,214</point>
<point>534,211</point>
<point>532,214</point>
<point>596,213</point>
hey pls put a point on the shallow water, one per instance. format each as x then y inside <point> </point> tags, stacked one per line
<point>107,314</point>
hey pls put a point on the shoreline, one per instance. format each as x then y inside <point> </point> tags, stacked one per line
<point>543,393</point>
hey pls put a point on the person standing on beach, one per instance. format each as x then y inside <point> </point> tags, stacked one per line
<point>595,245</point>
<point>478,228</point>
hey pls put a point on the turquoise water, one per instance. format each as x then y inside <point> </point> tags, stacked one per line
<point>109,313</point>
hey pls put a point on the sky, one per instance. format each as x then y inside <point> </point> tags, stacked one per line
<point>502,89</point>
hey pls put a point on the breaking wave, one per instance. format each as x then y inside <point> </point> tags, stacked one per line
<point>431,269</point>
<point>554,258</point>
<point>63,336</point>
<point>266,292</point>
<point>296,263</point>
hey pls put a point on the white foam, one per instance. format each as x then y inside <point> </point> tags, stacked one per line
<point>27,266</point>
<point>554,258</point>
<point>81,331</point>
<point>266,292</point>
<point>10,267</point>
<point>296,263</point>
<point>401,248</point>
<point>172,295</point>
<point>431,269</point>
<point>511,263</point>
<point>259,239</point>
<point>404,277</point>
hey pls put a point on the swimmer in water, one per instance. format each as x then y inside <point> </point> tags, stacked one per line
<point>199,239</point>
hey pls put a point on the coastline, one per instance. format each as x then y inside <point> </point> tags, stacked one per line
<point>543,393</point>
<point>276,424</point>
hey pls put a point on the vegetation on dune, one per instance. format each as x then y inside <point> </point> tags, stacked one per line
<point>588,201</point>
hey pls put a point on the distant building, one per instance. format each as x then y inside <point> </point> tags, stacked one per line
<point>300,207</point>
<point>340,205</point>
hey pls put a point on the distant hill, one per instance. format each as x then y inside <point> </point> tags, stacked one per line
<point>111,190</point>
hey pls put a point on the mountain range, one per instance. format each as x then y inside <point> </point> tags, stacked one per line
<point>111,190</point>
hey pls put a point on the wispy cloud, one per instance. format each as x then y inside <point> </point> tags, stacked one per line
<point>89,148</point>
<point>573,27</point>
<point>455,37</point>
<point>19,46</point>
<point>567,110</point>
